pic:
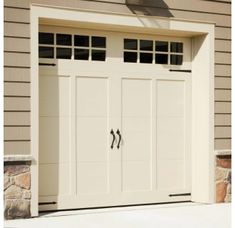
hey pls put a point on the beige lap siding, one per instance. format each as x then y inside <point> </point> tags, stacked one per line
<point>17,77</point>
<point>218,12</point>
<point>17,55</point>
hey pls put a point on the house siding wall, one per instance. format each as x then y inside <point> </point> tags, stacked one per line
<point>17,57</point>
<point>16,77</point>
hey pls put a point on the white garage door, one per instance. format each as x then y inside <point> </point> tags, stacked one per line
<point>114,118</point>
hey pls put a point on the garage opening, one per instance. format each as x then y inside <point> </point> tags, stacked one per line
<point>114,117</point>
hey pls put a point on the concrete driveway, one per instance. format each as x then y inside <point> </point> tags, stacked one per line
<point>182,215</point>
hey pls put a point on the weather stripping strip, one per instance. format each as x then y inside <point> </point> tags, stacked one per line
<point>186,71</point>
<point>182,194</point>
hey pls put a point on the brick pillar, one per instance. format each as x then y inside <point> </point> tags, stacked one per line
<point>223,178</point>
<point>17,189</point>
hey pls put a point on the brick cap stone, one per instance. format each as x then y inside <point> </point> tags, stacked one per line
<point>18,157</point>
<point>223,152</point>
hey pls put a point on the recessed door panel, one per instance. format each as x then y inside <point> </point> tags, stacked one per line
<point>136,129</point>
<point>92,135</point>
<point>55,135</point>
<point>171,111</point>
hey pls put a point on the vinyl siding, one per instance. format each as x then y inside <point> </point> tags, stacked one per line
<point>16,77</point>
<point>17,57</point>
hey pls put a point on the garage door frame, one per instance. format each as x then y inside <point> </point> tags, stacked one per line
<point>202,82</point>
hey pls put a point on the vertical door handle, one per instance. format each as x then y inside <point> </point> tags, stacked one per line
<point>120,138</point>
<point>114,138</point>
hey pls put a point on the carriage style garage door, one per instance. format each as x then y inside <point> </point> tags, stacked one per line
<point>115,125</point>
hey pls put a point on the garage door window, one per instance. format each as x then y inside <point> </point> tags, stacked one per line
<point>148,51</point>
<point>69,46</point>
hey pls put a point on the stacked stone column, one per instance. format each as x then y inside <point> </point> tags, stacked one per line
<point>223,178</point>
<point>17,190</point>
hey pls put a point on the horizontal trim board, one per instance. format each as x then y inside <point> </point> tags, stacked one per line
<point>223,70</point>
<point>16,15</point>
<point>16,133</point>
<point>17,147</point>
<point>222,132</point>
<point>16,45</point>
<point>17,59</point>
<point>222,33</point>
<point>222,58</point>
<point>223,83</point>
<point>223,95</point>
<point>17,103</point>
<point>16,29</point>
<point>17,3</point>
<point>223,107</point>
<point>17,89</point>
<point>222,144</point>
<point>223,45</point>
<point>17,118</point>
<point>16,74</point>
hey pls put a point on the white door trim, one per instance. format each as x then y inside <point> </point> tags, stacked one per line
<point>202,83</point>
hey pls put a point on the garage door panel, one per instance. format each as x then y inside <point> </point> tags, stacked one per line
<point>92,178</point>
<point>55,95</point>
<point>145,105</point>
<point>170,137</point>
<point>136,176</point>
<point>55,140</point>
<point>91,96</point>
<point>171,175</point>
<point>136,139</point>
<point>91,139</point>
<point>170,98</point>
<point>136,97</point>
<point>171,130</point>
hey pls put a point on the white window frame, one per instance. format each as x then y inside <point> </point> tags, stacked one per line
<point>203,165</point>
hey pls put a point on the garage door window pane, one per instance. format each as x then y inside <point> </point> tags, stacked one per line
<point>146,45</point>
<point>63,53</point>
<point>176,59</point>
<point>98,42</point>
<point>161,58</point>
<point>46,38</point>
<point>82,54</point>
<point>98,55</point>
<point>177,47</point>
<point>130,57</point>
<point>82,41</point>
<point>130,44</point>
<point>46,52</point>
<point>161,46</point>
<point>146,58</point>
<point>63,39</point>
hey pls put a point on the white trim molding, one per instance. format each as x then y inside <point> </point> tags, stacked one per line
<point>202,34</point>
<point>223,152</point>
<point>14,158</point>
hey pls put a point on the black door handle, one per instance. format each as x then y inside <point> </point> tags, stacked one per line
<point>120,138</point>
<point>114,138</point>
